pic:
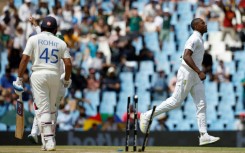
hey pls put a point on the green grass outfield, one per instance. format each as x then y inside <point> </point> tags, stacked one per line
<point>116,149</point>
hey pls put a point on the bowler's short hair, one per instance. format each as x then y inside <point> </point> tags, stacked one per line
<point>194,22</point>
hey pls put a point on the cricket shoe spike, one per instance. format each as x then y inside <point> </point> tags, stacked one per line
<point>33,138</point>
<point>144,121</point>
<point>207,139</point>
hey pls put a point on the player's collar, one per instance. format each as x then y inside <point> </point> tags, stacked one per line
<point>49,33</point>
<point>197,33</point>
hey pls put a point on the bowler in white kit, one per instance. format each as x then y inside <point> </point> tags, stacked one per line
<point>189,80</point>
<point>45,51</point>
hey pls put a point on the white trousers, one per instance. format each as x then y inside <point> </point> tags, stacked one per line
<point>187,81</point>
<point>35,129</point>
<point>45,87</point>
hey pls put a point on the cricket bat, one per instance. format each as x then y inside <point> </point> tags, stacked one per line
<point>19,118</point>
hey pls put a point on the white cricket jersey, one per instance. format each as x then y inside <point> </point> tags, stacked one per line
<point>196,45</point>
<point>45,51</point>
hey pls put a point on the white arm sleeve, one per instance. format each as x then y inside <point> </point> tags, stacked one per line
<point>66,52</point>
<point>38,29</point>
<point>22,14</point>
<point>29,47</point>
<point>191,44</point>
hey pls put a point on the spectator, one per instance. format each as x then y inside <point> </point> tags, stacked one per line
<point>240,26</point>
<point>217,11</point>
<point>127,50</point>
<point>201,11</point>
<point>228,27</point>
<point>7,25</point>
<point>111,81</point>
<point>26,10</point>
<point>93,84</point>
<point>16,19</point>
<point>93,46</point>
<point>86,12</point>
<point>222,73</point>
<point>67,15</point>
<point>100,15</point>
<point>241,7</point>
<point>78,80</point>
<point>12,12</point>
<point>3,106</point>
<point>64,119</point>
<point>240,122</point>
<point>95,127</point>
<point>135,23</point>
<point>56,14</point>
<point>150,25</point>
<point>242,3</point>
<point>72,40</point>
<point>158,20</point>
<point>81,118</point>
<point>15,51</point>
<point>117,20</point>
<point>9,99</point>
<point>166,27</point>
<point>115,53</point>
<point>74,100</point>
<point>172,83</point>
<point>98,62</point>
<point>103,46</point>
<point>150,9</point>
<point>101,28</point>
<point>145,54</point>
<point>110,125</point>
<point>207,64</point>
<point>127,66</point>
<point>121,6</point>
<point>115,36</point>
<point>10,7</point>
<point>160,86</point>
<point>43,9</point>
<point>27,94</point>
<point>85,61</point>
<point>77,14</point>
<point>7,80</point>
<point>84,28</point>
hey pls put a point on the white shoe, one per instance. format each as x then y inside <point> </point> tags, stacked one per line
<point>50,145</point>
<point>144,121</point>
<point>43,148</point>
<point>207,139</point>
<point>33,138</point>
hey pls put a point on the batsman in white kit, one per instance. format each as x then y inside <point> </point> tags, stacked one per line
<point>35,131</point>
<point>45,51</point>
<point>189,79</point>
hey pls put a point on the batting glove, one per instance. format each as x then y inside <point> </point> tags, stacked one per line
<point>66,83</point>
<point>18,86</point>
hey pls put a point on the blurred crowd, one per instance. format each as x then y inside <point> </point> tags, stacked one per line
<point>100,39</point>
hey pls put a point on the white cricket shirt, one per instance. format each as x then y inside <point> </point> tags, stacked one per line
<point>195,43</point>
<point>45,51</point>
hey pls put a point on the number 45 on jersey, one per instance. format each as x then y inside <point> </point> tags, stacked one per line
<point>53,58</point>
